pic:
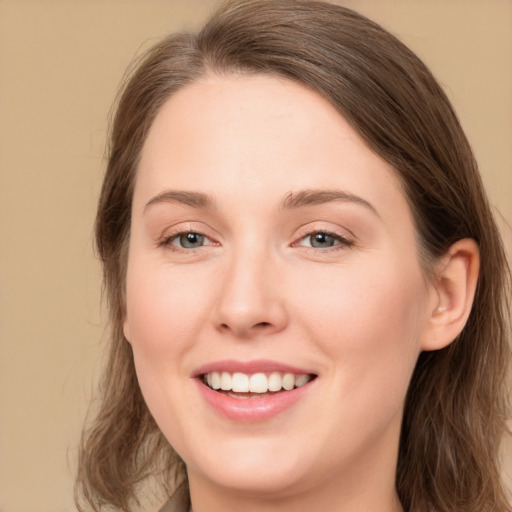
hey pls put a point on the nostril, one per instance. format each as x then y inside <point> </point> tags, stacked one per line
<point>245,329</point>
<point>257,326</point>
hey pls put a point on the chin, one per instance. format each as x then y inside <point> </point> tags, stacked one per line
<point>258,469</point>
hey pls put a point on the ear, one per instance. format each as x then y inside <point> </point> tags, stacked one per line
<point>453,293</point>
<point>126,329</point>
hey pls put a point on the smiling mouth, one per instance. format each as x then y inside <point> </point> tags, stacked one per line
<point>256,385</point>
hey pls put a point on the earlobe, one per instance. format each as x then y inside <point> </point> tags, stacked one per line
<point>454,289</point>
<point>126,330</point>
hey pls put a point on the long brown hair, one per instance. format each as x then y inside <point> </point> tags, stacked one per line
<point>456,406</point>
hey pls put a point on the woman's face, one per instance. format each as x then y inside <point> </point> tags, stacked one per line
<point>269,249</point>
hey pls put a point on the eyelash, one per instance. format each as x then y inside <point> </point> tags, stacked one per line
<point>340,242</point>
<point>168,239</point>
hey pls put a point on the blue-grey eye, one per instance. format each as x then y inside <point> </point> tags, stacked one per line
<point>322,240</point>
<point>189,240</point>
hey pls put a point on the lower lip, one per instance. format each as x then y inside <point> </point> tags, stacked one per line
<point>252,409</point>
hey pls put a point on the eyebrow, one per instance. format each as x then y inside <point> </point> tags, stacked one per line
<point>312,197</point>
<point>292,201</point>
<point>194,199</point>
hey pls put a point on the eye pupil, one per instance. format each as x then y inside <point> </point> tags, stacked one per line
<point>322,240</point>
<point>191,240</point>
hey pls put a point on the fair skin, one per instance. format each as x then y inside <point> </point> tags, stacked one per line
<point>265,233</point>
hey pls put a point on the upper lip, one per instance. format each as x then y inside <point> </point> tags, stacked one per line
<point>249,367</point>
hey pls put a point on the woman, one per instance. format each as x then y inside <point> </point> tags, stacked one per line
<point>308,292</point>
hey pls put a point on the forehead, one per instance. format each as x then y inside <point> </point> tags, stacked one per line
<point>265,134</point>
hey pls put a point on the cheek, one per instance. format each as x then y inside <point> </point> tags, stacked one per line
<point>163,322</point>
<point>163,310</point>
<point>358,304</point>
<point>164,319</point>
<point>369,324</point>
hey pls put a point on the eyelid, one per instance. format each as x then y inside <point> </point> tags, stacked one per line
<point>344,239</point>
<point>170,234</point>
<point>172,238</point>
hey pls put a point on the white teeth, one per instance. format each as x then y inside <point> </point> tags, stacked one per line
<point>225,381</point>
<point>301,380</point>
<point>256,383</point>
<point>216,380</point>
<point>288,381</point>
<point>275,382</point>
<point>240,383</point>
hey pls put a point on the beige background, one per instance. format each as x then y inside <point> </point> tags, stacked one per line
<point>60,64</point>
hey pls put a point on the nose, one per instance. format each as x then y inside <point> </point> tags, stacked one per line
<point>250,300</point>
